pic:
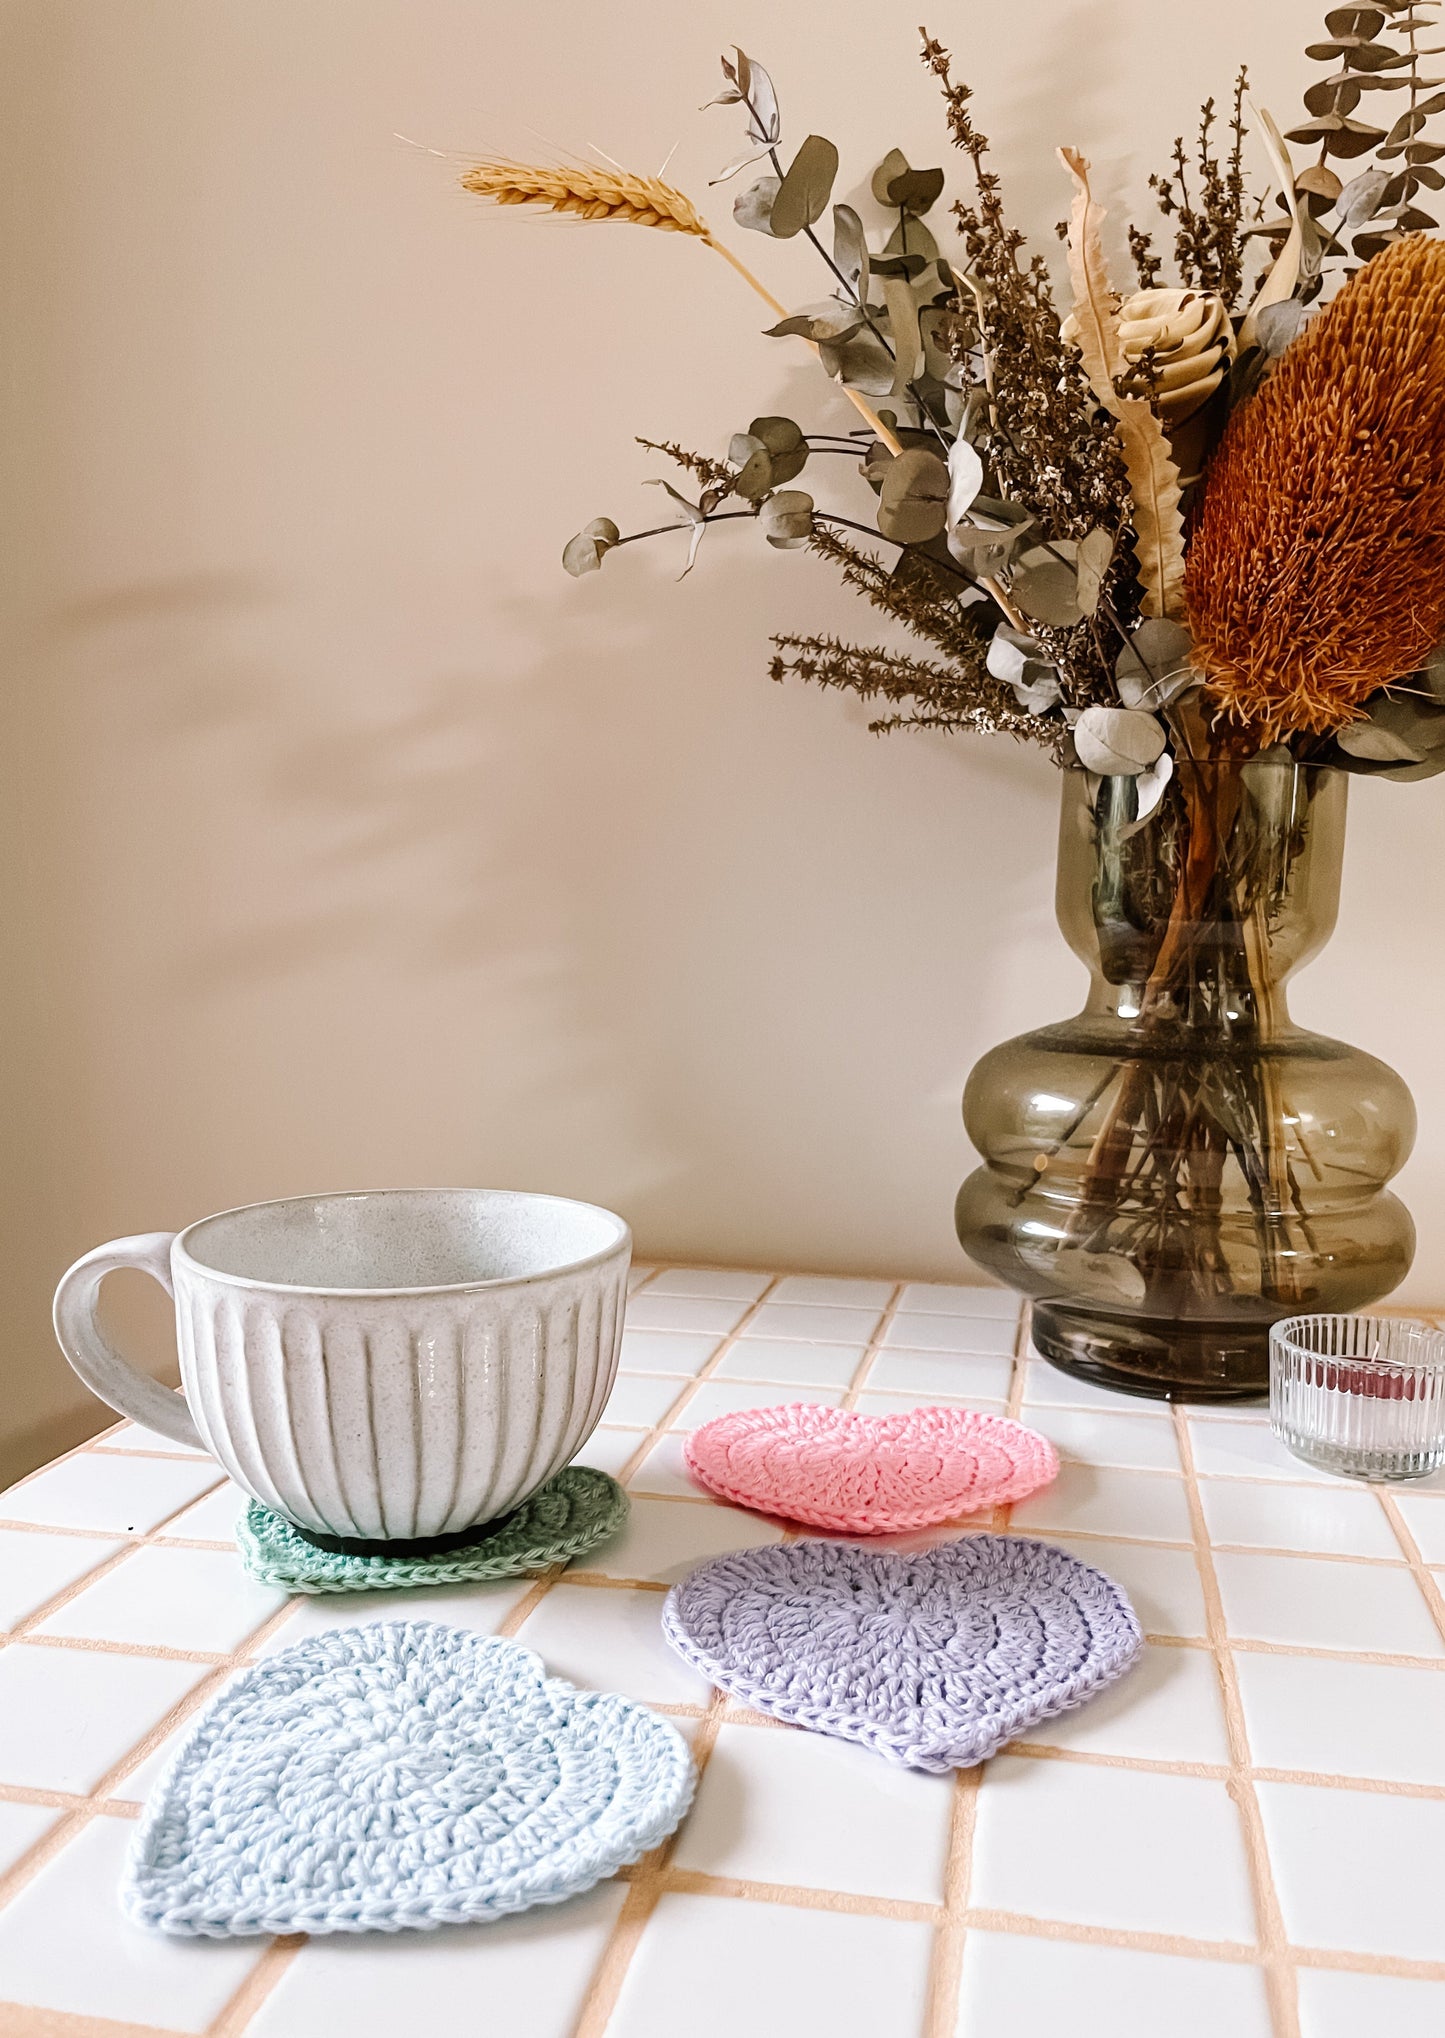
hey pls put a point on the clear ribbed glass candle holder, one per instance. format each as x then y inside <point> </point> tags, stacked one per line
<point>1360,1395</point>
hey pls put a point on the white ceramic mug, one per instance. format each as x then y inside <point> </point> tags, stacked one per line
<point>395,1366</point>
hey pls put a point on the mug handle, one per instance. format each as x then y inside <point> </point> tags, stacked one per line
<point>90,1352</point>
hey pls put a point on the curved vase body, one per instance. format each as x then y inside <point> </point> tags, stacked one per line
<point>1181,1165</point>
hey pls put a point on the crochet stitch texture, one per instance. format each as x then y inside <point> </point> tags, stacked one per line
<point>868,1474</point>
<point>573,1512</point>
<point>933,1660</point>
<point>402,1774</point>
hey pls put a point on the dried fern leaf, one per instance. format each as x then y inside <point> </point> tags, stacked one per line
<point>1153,476</point>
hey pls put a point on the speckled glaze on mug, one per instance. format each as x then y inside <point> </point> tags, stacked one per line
<point>396,1365</point>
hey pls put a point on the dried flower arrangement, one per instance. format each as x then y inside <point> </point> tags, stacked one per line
<point>1188,537</point>
<point>1138,530</point>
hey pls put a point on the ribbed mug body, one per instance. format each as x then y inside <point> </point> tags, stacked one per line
<point>394,1417</point>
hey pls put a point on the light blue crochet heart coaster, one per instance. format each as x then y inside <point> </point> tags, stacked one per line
<point>399,1774</point>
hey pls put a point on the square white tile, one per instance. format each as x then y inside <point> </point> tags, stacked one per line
<point>67,1716</point>
<point>482,1608</point>
<point>666,1351</point>
<point>815,1322</point>
<point>108,1493</point>
<point>1331,1520</point>
<point>953,1377</point>
<point>1113,1503</point>
<point>607,1450</point>
<point>1316,1603</point>
<point>1349,1869</point>
<point>34,1567</point>
<point>1248,1450</point>
<point>664,1539</point>
<point>21,1825</point>
<point>130,1436</point>
<point>213,1519</point>
<point>65,1946</point>
<point>611,1641</point>
<point>638,1400</point>
<point>945,1298</point>
<point>1021,1986</point>
<point>716,1968</point>
<point>823,1291</point>
<point>1166,1709</point>
<point>651,1311</point>
<point>1094,1437</point>
<point>135,1785</point>
<point>1330,1718</point>
<point>905,1404</point>
<point>793,1363</point>
<point>1424,1516</point>
<point>521,1977</point>
<point>171,1599</point>
<point>990,1335</point>
<point>717,1284</point>
<point>1132,1849</point>
<point>787,1807</point>
<point>664,1470</point>
<point>1162,1584</point>
<point>1340,2005</point>
<point>725,1397</point>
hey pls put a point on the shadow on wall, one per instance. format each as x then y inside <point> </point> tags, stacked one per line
<point>300,928</point>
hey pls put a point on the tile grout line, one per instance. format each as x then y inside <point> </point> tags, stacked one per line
<point>862,1372</point>
<point>276,1956</point>
<point>945,1970</point>
<point>1279,1974</point>
<point>641,1900</point>
<point>706,1371</point>
<point>1410,1550</point>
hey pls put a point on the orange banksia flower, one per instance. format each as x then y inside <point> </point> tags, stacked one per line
<point>1316,571</point>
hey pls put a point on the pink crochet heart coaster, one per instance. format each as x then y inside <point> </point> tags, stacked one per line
<point>868,1474</point>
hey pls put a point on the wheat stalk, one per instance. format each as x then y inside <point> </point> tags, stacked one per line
<point>589,192</point>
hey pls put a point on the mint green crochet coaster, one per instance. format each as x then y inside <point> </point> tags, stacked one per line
<point>573,1512</point>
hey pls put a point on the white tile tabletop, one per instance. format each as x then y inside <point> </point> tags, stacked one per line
<point>1244,1836</point>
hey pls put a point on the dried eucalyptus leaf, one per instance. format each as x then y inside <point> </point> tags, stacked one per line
<point>894,164</point>
<point>1092,561</point>
<point>913,503</point>
<point>741,448</point>
<point>753,208</point>
<point>756,476</point>
<point>859,361</point>
<point>808,325</point>
<point>965,479</point>
<point>805,190</point>
<point>1153,668</point>
<point>903,329</point>
<point>1275,325</point>
<point>915,190</point>
<point>1361,21</point>
<point>1010,653</point>
<point>1149,791</point>
<point>1399,728</point>
<point>749,84</point>
<point>787,519</point>
<point>1319,180</point>
<point>1047,587</point>
<point>1118,742</point>
<point>583,554</point>
<point>912,237</point>
<point>850,248</point>
<point>1362,197</point>
<point>1039,689</point>
<point>786,445</point>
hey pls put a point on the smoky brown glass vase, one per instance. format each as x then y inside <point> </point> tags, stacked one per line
<point>1181,1165</point>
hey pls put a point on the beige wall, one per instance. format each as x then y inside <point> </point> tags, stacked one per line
<point>342,839</point>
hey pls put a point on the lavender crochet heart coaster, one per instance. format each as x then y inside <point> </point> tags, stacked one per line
<point>933,1660</point>
<point>868,1474</point>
